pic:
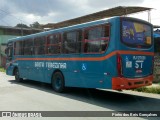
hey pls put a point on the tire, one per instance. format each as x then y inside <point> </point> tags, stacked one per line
<point>58,83</point>
<point>17,77</point>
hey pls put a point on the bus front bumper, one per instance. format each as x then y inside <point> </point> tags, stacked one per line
<point>121,83</point>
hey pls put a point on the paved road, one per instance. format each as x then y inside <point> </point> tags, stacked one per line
<point>34,96</point>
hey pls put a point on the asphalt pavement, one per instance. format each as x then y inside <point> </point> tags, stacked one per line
<point>35,96</point>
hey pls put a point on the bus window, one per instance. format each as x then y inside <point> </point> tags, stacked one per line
<point>53,44</point>
<point>96,39</point>
<point>72,42</point>
<point>18,48</point>
<point>136,34</point>
<point>39,45</point>
<point>28,47</point>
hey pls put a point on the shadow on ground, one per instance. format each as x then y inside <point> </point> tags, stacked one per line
<point>117,101</point>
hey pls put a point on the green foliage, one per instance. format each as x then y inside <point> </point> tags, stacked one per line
<point>22,25</point>
<point>35,25</point>
<point>155,90</point>
<point>156,67</point>
<point>2,69</point>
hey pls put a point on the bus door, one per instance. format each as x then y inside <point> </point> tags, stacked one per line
<point>136,54</point>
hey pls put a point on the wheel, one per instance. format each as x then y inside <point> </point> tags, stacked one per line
<point>58,82</point>
<point>17,77</point>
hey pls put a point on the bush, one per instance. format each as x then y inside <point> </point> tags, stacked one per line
<point>2,69</point>
<point>155,90</point>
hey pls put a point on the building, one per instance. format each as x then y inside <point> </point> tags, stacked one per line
<point>7,33</point>
<point>117,11</point>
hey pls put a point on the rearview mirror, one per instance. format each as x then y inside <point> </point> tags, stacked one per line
<point>6,51</point>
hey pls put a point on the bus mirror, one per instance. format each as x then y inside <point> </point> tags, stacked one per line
<point>6,51</point>
<point>9,58</point>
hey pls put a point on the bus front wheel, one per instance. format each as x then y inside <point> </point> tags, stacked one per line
<point>17,76</point>
<point>58,82</point>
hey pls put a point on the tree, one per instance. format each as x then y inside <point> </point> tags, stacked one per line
<point>21,25</point>
<point>35,25</point>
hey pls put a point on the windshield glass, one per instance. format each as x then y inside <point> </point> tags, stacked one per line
<point>136,34</point>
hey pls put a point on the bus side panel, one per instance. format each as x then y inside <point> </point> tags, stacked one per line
<point>110,69</point>
<point>50,67</point>
<point>87,74</point>
<point>10,67</point>
<point>110,64</point>
<point>39,70</point>
<point>23,69</point>
<point>91,74</point>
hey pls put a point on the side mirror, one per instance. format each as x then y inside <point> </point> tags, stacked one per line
<point>10,58</point>
<point>6,51</point>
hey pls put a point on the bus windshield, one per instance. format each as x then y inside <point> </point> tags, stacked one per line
<point>136,34</point>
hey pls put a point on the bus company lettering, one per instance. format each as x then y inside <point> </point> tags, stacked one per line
<point>56,65</point>
<point>39,64</point>
<point>51,65</point>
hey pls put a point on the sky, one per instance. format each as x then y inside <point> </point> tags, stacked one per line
<point>13,12</point>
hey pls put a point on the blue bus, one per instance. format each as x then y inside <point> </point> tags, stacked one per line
<point>113,53</point>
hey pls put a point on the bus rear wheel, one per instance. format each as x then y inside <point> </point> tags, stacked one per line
<point>17,76</point>
<point>58,82</point>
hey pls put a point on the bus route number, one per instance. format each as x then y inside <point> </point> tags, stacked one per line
<point>139,64</point>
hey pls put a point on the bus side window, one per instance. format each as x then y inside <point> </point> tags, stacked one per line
<point>72,41</point>
<point>107,31</point>
<point>18,48</point>
<point>28,47</point>
<point>96,39</point>
<point>39,45</point>
<point>54,44</point>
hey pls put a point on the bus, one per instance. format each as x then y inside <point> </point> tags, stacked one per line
<point>112,53</point>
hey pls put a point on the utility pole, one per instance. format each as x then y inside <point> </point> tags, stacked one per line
<point>149,16</point>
